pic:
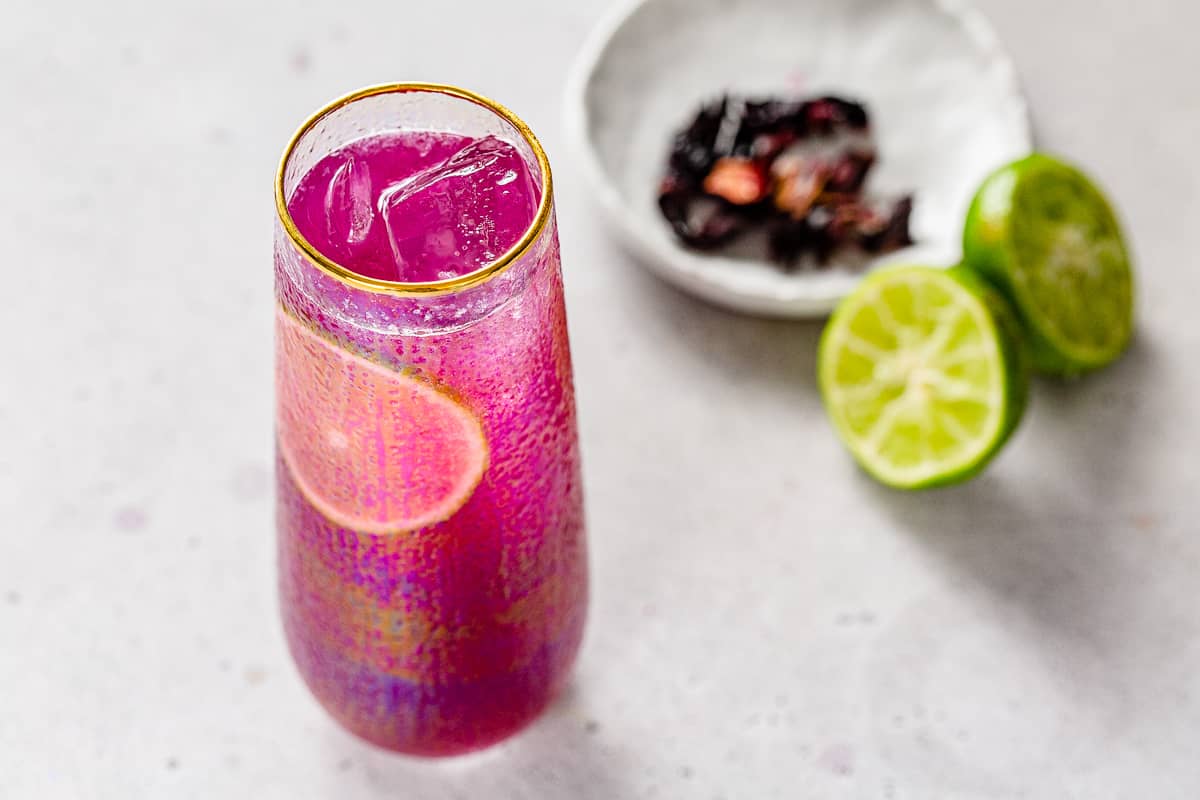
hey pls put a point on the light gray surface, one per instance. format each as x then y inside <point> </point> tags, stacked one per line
<point>767,623</point>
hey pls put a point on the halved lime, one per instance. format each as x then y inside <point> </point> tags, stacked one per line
<point>923,375</point>
<point>1046,237</point>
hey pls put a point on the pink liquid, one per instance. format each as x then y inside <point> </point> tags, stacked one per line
<point>452,637</point>
<point>416,207</point>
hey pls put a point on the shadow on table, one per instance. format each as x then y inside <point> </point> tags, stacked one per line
<point>780,354</point>
<point>1055,542</point>
<point>562,754</point>
<point>1052,541</point>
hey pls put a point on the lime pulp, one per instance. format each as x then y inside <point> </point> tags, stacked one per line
<point>1044,235</point>
<point>923,375</point>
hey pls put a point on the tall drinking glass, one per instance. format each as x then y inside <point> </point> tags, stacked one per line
<point>432,564</point>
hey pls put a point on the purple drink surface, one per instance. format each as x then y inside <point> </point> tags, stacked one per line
<point>416,206</point>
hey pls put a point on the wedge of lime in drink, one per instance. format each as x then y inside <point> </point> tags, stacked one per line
<point>923,374</point>
<point>373,449</point>
<point>1046,237</point>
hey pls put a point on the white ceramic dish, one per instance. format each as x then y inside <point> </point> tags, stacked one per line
<point>944,100</point>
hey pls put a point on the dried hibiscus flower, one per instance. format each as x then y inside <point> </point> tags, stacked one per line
<point>797,167</point>
<point>736,180</point>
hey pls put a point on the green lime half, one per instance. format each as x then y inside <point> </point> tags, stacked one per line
<point>1042,233</point>
<point>923,375</point>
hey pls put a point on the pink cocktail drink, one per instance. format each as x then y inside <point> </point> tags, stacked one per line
<point>432,564</point>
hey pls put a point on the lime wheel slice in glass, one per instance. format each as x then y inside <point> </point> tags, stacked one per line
<point>923,375</point>
<point>1045,235</point>
<point>373,449</point>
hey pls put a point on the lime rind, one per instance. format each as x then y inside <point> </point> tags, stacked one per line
<point>922,376</point>
<point>1042,233</point>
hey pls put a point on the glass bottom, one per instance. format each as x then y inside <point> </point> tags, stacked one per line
<point>433,720</point>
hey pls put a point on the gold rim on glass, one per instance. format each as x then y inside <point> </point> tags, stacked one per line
<point>459,282</point>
